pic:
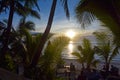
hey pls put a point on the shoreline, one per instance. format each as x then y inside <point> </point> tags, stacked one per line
<point>99,66</point>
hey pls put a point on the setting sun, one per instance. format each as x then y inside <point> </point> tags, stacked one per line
<point>70,34</point>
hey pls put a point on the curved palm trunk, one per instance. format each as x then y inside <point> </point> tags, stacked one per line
<point>6,32</point>
<point>45,35</point>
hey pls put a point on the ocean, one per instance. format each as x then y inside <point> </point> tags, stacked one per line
<point>72,47</point>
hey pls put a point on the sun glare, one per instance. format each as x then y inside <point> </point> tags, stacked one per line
<point>70,34</point>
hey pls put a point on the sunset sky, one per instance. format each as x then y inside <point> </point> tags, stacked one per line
<point>60,23</point>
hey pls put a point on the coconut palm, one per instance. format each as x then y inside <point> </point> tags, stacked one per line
<point>21,7</point>
<point>23,24</point>
<point>25,39</point>
<point>52,55</point>
<point>81,58</point>
<point>17,45</point>
<point>48,61</point>
<point>47,30</point>
<point>15,6</point>
<point>107,11</point>
<point>25,47</point>
<point>17,34</point>
<point>86,54</point>
<point>105,48</point>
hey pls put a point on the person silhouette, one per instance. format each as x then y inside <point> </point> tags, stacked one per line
<point>72,71</point>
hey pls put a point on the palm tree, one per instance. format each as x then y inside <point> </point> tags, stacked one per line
<point>81,58</point>
<point>51,56</point>
<point>105,48</point>
<point>23,24</point>
<point>86,54</point>
<point>24,39</point>
<point>22,8</point>
<point>16,35</point>
<point>25,47</point>
<point>22,49</point>
<point>47,30</point>
<point>15,6</point>
<point>107,11</point>
<point>21,42</point>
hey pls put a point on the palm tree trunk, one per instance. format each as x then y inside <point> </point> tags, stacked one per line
<point>88,67</point>
<point>106,65</point>
<point>6,32</point>
<point>83,67</point>
<point>45,35</point>
<point>114,13</point>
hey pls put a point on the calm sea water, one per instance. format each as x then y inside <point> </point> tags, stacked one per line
<point>72,46</point>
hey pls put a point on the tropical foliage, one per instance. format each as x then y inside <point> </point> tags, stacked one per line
<point>49,59</point>
<point>23,8</point>
<point>47,30</point>
<point>22,51</point>
<point>19,43</point>
<point>106,49</point>
<point>86,54</point>
<point>40,54</point>
<point>106,11</point>
<point>52,56</point>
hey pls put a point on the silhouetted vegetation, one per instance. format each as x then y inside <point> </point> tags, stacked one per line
<point>39,55</point>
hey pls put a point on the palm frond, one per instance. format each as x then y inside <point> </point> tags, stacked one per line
<point>86,54</point>
<point>102,37</point>
<point>107,13</point>
<point>5,21</point>
<point>53,51</point>
<point>85,19</point>
<point>36,4</point>
<point>80,48</point>
<point>86,44</point>
<point>65,5</point>
<point>30,25</point>
<point>106,48</point>
<point>20,9</point>
<point>2,25</point>
<point>114,53</point>
<point>76,54</point>
<point>25,11</point>
<point>32,3</point>
<point>95,62</point>
<point>34,13</point>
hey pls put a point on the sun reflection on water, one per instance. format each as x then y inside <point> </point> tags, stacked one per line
<point>67,53</point>
<point>70,49</point>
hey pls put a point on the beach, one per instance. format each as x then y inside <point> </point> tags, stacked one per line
<point>99,66</point>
